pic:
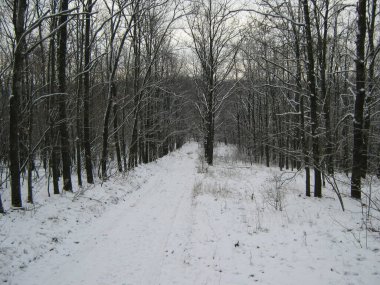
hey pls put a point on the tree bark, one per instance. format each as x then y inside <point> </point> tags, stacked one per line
<point>78,123</point>
<point>371,84</point>
<point>54,151</point>
<point>104,158</point>
<point>313,103</point>
<point>19,9</point>
<point>2,211</point>
<point>357,151</point>
<point>116,134</point>
<point>86,95</point>
<point>30,152</point>
<point>209,151</point>
<point>325,94</point>
<point>61,68</point>
<point>133,147</point>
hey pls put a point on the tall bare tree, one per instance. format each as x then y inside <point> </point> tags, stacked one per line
<point>114,53</point>
<point>213,35</point>
<point>86,94</point>
<point>19,10</point>
<point>357,152</point>
<point>62,89</point>
<point>313,102</point>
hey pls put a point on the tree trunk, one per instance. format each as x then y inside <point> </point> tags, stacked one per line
<point>313,102</point>
<point>359,101</point>
<point>123,145</point>
<point>209,151</point>
<point>300,100</point>
<point>30,153</point>
<point>19,8</point>
<point>2,211</point>
<point>104,158</point>
<point>114,53</point>
<point>79,59</point>
<point>133,147</point>
<point>61,67</point>
<point>322,51</point>
<point>86,95</point>
<point>116,134</point>
<point>371,85</point>
<point>54,152</point>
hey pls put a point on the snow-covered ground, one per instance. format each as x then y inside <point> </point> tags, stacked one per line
<point>175,221</point>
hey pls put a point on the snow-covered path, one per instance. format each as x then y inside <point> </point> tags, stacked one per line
<point>140,241</point>
<point>175,221</point>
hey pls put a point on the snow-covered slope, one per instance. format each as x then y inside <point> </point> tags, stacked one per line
<point>175,221</point>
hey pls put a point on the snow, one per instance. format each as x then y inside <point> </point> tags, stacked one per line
<point>176,221</point>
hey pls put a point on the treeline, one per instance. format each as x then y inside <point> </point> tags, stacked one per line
<point>89,83</point>
<point>310,93</point>
<point>94,86</point>
<point>301,79</point>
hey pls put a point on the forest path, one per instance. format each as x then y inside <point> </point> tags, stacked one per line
<point>139,241</point>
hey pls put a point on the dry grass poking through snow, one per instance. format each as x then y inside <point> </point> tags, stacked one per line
<point>214,189</point>
<point>253,224</point>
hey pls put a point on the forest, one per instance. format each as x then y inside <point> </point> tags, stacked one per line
<point>90,88</point>
<point>189,142</point>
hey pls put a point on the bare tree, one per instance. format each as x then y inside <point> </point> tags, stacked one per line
<point>150,37</point>
<point>114,53</point>
<point>313,102</point>
<point>213,35</point>
<point>357,152</point>
<point>372,54</point>
<point>53,134</point>
<point>86,94</point>
<point>61,75</point>
<point>19,10</point>
<point>2,211</point>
